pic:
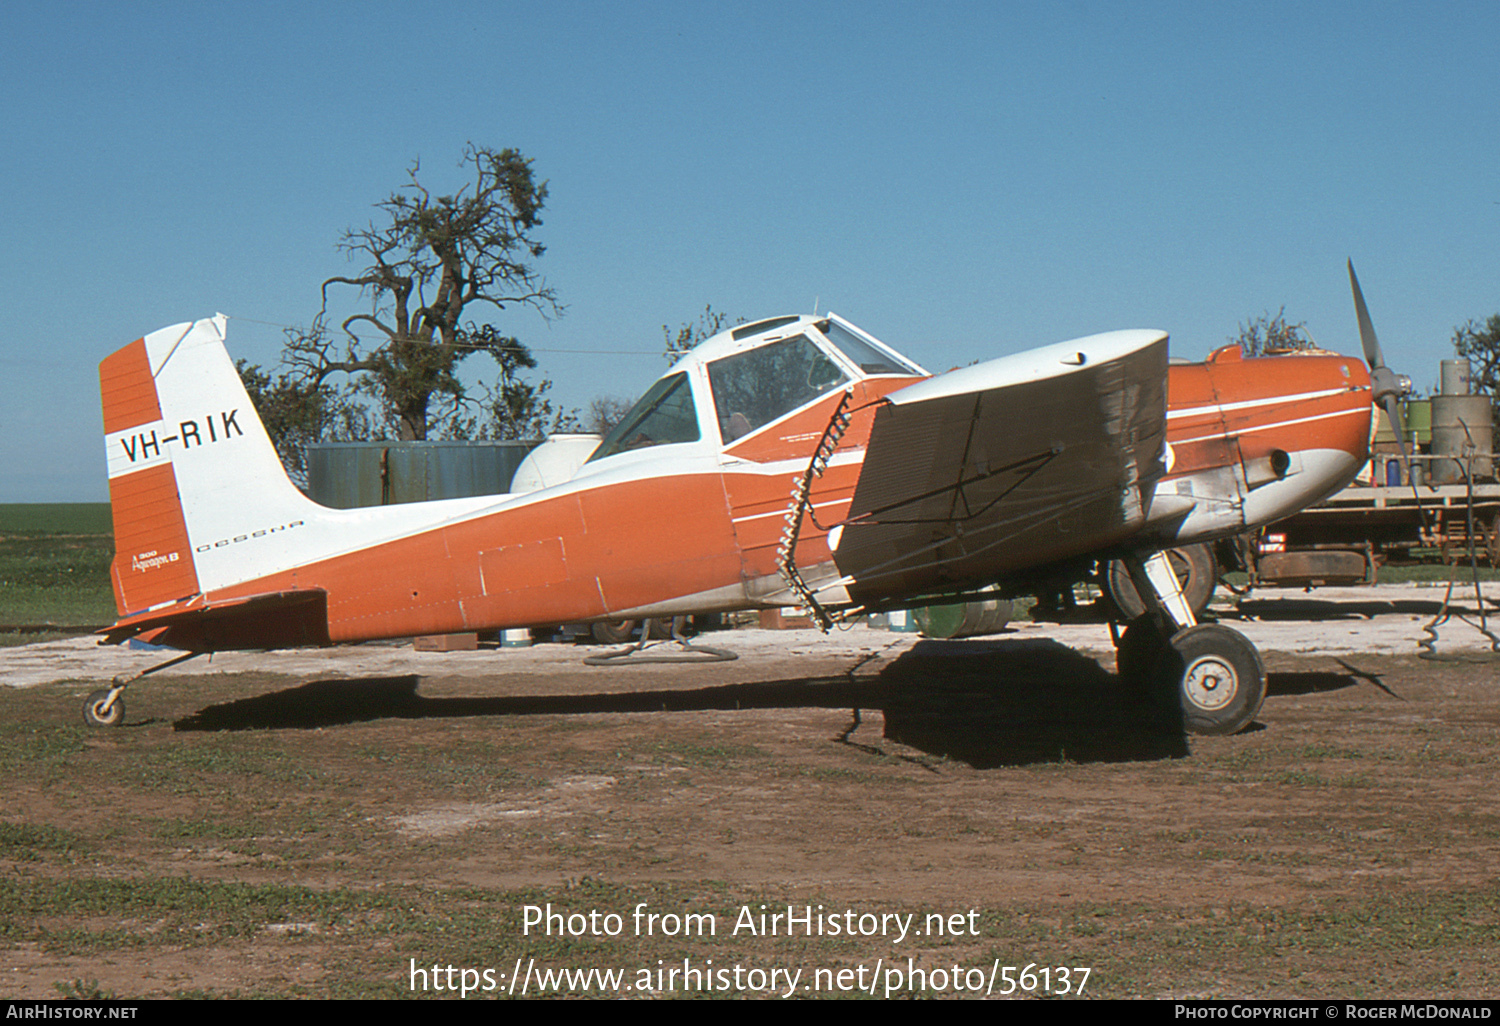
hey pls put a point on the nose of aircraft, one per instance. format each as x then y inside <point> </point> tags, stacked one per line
<point>1313,441</point>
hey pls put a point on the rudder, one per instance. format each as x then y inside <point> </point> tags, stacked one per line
<point>153,561</point>
<point>185,449</point>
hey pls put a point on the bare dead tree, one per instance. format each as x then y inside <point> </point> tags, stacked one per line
<point>430,259</point>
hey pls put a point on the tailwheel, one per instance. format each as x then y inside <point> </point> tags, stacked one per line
<point>104,708</point>
<point>1218,676</point>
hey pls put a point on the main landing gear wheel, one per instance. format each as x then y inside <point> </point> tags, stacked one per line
<point>99,711</point>
<point>621,632</point>
<point>612,632</point>
<point>1197,575</point>
<point>1218,676</point>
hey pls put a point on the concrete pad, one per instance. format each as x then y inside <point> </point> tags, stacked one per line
<point>1386,619</point>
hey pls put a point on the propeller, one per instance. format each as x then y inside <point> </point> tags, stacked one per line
<point>1387,387</point>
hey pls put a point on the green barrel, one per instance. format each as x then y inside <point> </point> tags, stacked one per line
<point>963,619</point>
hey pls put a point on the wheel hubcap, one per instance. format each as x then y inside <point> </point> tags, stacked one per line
<point>1210,683</point>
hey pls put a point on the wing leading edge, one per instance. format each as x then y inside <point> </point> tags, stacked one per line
<point>995,469</point>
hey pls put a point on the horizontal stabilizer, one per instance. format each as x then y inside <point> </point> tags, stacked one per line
<point>283,619</point>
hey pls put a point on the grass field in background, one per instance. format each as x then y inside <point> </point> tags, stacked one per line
<point>1436,571</point>
<point>44,518</point>
<point>54,566</point>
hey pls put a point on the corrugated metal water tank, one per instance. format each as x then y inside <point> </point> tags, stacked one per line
<point>1462,426</point>
<point>349,474</point>
<point>1459,421</point>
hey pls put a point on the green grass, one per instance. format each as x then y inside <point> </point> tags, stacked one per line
<point>132,858</point>
<point>54,518</point>
<point>27,842</point>
<point>366,940</point>
<point>37,748</point>
<point>54,566</point>
<point>1402,573</point>
<point>1427,572</point>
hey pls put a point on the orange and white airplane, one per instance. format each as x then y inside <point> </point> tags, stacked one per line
<point>796,460</point>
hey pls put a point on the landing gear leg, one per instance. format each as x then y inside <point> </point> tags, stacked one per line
<point>105,707</point>
<point>1214,673</point>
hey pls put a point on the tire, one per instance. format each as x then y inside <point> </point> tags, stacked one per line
<point>1197,574</point>
<point>1217,675</point>
<point>613,632</point>
<point>622,632</point>
<point>94,717</point>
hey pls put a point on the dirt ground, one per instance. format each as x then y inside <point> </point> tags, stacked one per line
<point>1345,845</point>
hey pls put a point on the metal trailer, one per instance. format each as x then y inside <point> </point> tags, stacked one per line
<point>1344,539</point>
<point>1444,498</point>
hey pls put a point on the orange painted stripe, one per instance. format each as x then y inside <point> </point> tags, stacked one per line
<point>153,559</point>
<point>128,391</point>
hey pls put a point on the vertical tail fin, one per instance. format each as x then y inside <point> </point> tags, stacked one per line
<point>153,560</point>
<point>185,450</point>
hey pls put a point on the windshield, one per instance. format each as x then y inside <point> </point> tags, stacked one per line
<point>866,357</point>
<point>755,387</point>
<point>663,415</point>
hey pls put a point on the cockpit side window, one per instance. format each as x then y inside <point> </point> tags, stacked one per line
<point>755,387</point>
<point>862,354</point>
<point>663,415</point>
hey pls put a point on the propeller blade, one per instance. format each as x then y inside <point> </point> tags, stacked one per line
<point>1386,386</point>
<point>1367,339</point>
<point>1393,416</point>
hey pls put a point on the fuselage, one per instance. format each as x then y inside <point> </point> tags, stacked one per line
<point>683,508</point>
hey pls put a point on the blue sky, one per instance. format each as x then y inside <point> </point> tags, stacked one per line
<point>963,180</point>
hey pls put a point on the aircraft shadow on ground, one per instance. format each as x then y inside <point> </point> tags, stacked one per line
<point>1281,685</point>
<point>1319,610</point>
<point>985,703</point>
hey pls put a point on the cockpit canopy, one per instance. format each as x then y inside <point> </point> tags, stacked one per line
<point>752,388</point>
<point>750,376</point>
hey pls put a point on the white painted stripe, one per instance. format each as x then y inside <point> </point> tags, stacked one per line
<point>782,512</point>
<point>1268,427</point>
<point>139,447</point>
<point>731,464</point>
<point>1252,403</point>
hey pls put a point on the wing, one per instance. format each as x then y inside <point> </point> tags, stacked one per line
<point>991,470</point>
